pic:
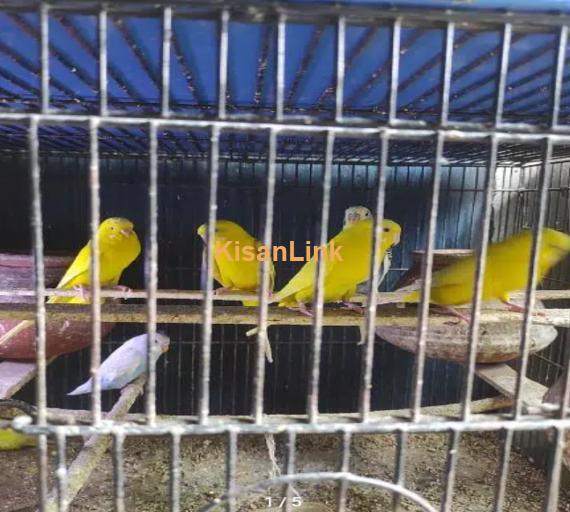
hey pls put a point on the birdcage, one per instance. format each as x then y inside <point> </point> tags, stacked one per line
<point>451,119</point>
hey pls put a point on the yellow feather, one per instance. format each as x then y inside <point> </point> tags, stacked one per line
<point>235,258</point>
<point>12,440</point>
<point>506,269</point>
<point>344,274</point>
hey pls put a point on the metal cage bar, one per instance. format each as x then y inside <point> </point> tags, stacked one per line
<point>344,467</point>
<point>262,337</point>
<point>479,277</point>
<point>165,68</point>
<point>119,471</point>
<point>427,267</point>
<point>369,334</point>
<point>95,268</point>
<point>313,391</point>
<point>39,285</point>
<point>175,472</point>
<point>103,63</point>
<point>290,469</point>
<point>205,370</point>
<point>152,275</point>
<point>62,501</point>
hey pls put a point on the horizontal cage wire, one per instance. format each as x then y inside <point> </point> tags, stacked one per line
<point>167,118</point>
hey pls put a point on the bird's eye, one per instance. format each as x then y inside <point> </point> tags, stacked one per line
<point>112,228</point>
<point>386,230</point>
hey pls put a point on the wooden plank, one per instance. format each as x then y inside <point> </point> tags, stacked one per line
<point>503,378</point>
<point>14,376</point>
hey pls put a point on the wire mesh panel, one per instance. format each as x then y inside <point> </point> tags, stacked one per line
<point>182,116</point>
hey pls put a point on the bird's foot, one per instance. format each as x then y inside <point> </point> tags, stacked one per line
<point>120,288</point>
<point>302,309</point>
<point>222,290</point>
<point>83,291</point>
<point>351,306</point>
<point>517,308</point>
<point>448,310</point>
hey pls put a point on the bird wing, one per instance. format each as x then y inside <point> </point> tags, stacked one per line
<point>204,275</point>
<point>79,267</point>
<point>304,278</point>
<point>123,366</point>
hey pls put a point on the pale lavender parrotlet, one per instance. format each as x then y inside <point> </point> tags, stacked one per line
<point>125,364</point>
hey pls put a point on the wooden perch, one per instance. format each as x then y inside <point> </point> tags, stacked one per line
<point>82,417</point>
<point>192,314</point>
<point>168,294</point>
<point>88,458</point>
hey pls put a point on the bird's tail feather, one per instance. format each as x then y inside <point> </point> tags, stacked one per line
<point>81,390</point>
<point>17,329</point>
<point>412,297</point>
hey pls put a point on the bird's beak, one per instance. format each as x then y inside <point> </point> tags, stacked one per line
<point>164,348</point>
<point>397,238</point>
<point>127,232</point>
<point>202,231</point>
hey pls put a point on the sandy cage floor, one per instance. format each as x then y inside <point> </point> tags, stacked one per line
<point>203,467</point>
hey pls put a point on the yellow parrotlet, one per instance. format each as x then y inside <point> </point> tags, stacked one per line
<point>236,266</point>
<point>9,438</point>
<point>345,268</point>
<point>119,246</point>
<point>506,271</point>
<point>12,440</point>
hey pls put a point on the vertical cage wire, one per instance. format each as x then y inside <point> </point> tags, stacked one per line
<point>206,351</point>
<point>313,391</point>
<point>44,59</point>
<point>95,268</point>
<point>503,73</point>
<point>450,470</point>
<point>482,247</point>
<point>152,275</point>
<point>447,69</point>
<point>165,67</point>
<point>62,500</point>
<point>103,63</point>
<point>400,467</point>
<point>340,67</point>
<point>175,472</point>
<point>39,285</point>
<point>290,468</point>
<point>280,67</point>
<point>119,471</point>
<point>530,298</point>
<point>262,337</point>
<point>369,335</point>
<point>503,470</point>
<point>394,70</point>
<point>427,268</point>
<point>344,467</point>
<point>231,461</point>
<point>554,472</point>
